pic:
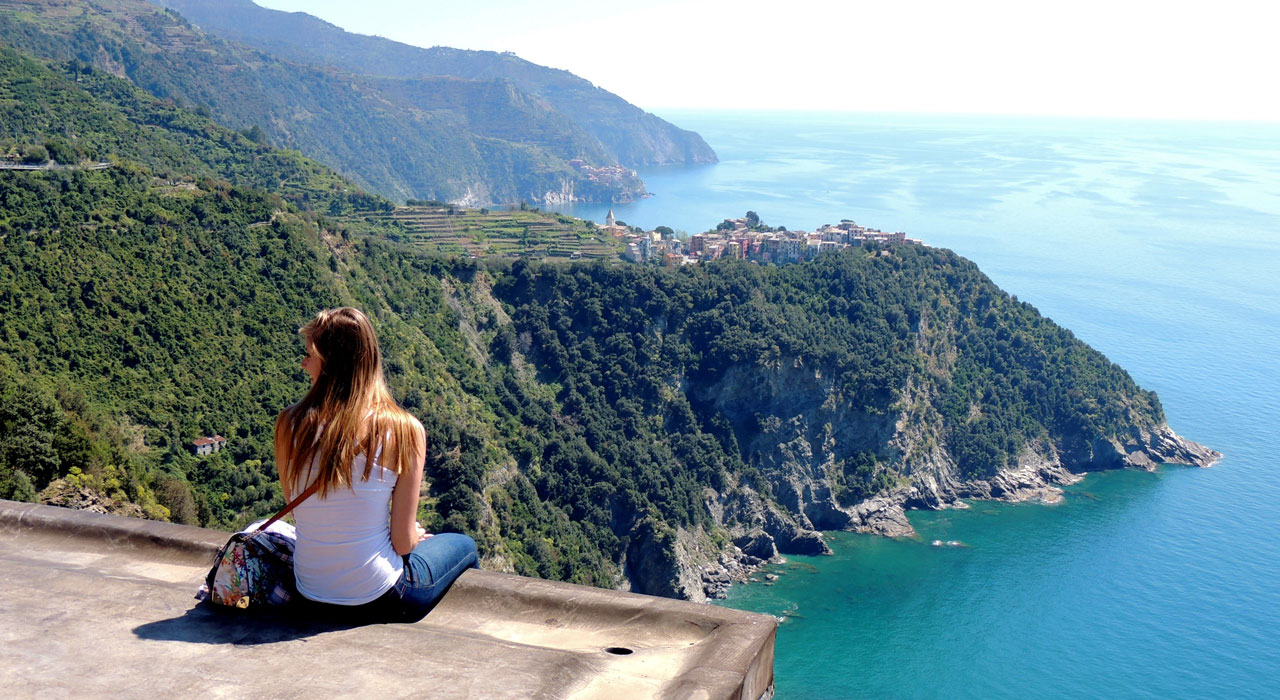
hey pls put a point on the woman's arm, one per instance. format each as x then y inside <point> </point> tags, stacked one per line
<point>404,499</point>
<point>283,446</point>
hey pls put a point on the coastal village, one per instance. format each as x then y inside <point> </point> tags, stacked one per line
<point>612,176</point>
<point>746,239</point>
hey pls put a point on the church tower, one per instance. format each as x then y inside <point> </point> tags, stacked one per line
<point>609,221</point>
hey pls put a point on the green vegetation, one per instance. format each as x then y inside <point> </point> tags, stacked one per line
<point>433,228</point>
<point>575,412</point>
<point>76,113</point>
<point>401,139</point>
<point>620,341</point>
<point>169,317</point>
<point>485,89</point>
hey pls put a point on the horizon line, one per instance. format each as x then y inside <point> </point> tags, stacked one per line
<point>1259,121</point>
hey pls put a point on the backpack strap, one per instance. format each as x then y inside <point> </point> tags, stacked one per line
<point>292,504</point>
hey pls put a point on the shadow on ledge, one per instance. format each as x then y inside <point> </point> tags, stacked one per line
<point>207,624</point>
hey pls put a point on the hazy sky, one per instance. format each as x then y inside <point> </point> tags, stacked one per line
<point>1124,58</point>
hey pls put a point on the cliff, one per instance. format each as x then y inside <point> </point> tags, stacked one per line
<point>835,395</point>
<point>809,432</point>
<point>805,440</point>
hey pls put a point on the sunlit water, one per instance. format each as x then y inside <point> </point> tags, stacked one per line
<point>1158,244</point>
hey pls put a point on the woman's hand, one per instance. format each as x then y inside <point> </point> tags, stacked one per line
<point>422,532</point>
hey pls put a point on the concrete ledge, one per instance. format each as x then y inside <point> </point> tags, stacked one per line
<point>100,605</point>
<point>165,539</point>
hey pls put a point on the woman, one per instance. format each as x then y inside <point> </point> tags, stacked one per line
<point>367,454</point>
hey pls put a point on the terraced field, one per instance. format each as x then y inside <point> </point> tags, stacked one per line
<point>498,233</point>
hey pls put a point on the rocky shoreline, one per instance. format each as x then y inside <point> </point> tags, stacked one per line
<point>1039,476</point>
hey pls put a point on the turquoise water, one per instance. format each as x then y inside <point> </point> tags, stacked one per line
<point>1158,244</point>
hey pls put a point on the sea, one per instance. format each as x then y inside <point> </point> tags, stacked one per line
<point>1156,242</point>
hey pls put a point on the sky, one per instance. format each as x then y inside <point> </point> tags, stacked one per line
<point>1112,58</point>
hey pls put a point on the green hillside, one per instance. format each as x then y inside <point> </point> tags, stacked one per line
<point>482,233</point>
<point>578,415</point>
<point>596,422</point>
<point>627,134</point>
<point>384,142</point>
<point>76,113</point>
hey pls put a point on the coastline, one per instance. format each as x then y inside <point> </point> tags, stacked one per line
<point>1037,478</point>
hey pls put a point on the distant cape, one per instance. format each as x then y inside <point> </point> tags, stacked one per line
<point>631,136</point>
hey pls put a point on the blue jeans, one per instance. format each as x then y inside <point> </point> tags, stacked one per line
<point>428,571</point>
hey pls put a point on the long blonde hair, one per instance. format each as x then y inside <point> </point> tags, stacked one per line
<point>348,401</point>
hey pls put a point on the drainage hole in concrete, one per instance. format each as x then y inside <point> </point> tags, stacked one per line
<point>617,651</point>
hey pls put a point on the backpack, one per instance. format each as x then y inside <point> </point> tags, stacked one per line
<point>255,566</point>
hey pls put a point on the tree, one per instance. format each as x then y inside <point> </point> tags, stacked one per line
<point>61,150</point>
<point>35,155</point>
<point>253,133</point>
<point>753,219</point>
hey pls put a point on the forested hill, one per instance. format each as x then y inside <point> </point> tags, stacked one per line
<point>414,141</point>
<point>596,423</point>
<point>605,423</point>
<point>73,112</point>
<point>587,422</point>
<point>630,135</point>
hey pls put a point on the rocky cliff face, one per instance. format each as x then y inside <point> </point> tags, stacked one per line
<point>804,431</point>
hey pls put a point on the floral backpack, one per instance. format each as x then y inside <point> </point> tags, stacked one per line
<point>255,567</point>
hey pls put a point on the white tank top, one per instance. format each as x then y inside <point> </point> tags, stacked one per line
<point>344,554</point>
